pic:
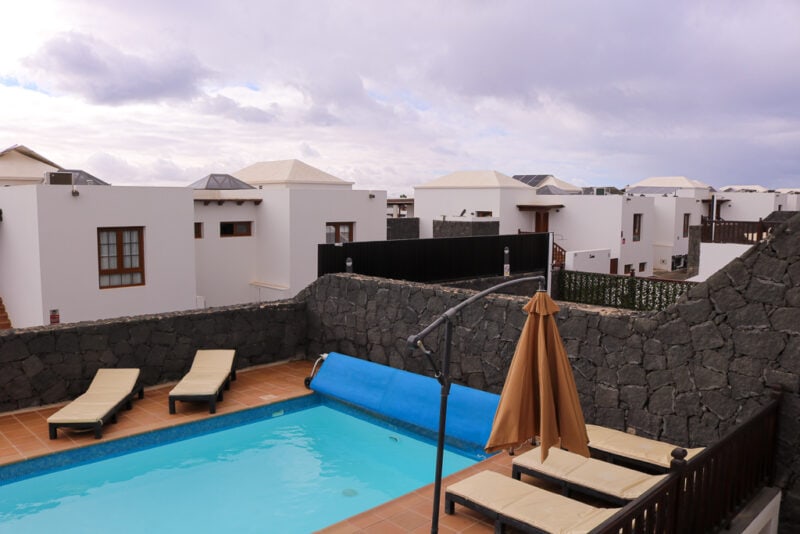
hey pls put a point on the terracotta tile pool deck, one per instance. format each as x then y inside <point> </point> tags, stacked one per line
<point>24,435</point>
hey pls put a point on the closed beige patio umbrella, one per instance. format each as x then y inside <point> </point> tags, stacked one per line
<point>539,397</point>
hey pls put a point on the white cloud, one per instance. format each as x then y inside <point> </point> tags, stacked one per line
<point>391,95</point>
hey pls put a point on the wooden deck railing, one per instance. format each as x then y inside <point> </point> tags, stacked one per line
<point>726,475</point>
<point>741,232</point>
<point>559,255</point>
<point>705,493</point>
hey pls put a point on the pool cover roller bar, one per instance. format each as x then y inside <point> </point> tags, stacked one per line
<point>407,397</point>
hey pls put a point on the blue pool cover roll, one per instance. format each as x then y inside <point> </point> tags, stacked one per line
<point>407,397</point>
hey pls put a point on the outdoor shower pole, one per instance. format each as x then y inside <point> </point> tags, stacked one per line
<point>444,379</point>
<point>443,375</point>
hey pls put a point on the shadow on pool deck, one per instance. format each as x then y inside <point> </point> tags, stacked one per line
<point>23,435</point>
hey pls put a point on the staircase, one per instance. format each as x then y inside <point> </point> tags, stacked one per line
<point>5,322</point>
<point>559,256</point>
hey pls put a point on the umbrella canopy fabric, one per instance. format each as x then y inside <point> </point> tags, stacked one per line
<point>539,397</point>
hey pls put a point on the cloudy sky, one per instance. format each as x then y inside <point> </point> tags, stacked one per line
<point>392,94</point>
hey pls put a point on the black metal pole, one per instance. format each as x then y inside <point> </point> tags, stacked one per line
<point>443,376</point>
<point>445,392</point>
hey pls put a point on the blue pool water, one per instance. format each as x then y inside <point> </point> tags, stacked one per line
<point>297,472</point>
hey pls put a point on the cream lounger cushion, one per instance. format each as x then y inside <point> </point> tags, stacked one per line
<point>529,504</point>
<point>603,477</point>
<point>109,388</point>
<point>211,371</point>
<point>643,449</point>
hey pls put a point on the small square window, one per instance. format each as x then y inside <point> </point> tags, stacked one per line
<point>339,232</point>
<point>642,266</point>
<point>628,268</point>
<point>236,229</point>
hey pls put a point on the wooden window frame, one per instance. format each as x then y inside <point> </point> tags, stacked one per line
<point>119,255</point>
<point>642,266</point>
<point>198,230</point>
<point>686,221</point>
<point>338,231</point>
<point>238,229</point>
<point>637,227</point>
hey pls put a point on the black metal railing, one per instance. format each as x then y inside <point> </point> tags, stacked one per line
<point>619,291</point>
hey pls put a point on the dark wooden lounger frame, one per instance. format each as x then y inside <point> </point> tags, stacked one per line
<point>567,487</point>
<point>97,426</point>
<point>632,463</point>
<point>211,399</point>
<point>699,495</point>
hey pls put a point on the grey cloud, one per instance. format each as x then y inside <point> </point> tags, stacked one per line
<point>224,106</point>
<point>307,151</point>
<point>79,64</point>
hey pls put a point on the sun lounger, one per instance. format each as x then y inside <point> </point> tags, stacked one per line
<point>616,484</point>
<point>635,451</point>
<point>211,372</point>
<point>525,507</point>
<point>110,390</point>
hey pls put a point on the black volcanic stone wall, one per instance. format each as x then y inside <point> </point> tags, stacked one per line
<point>465,228</point>
<point>404,228</point>
<point>685,375</point>
<point>56,363</point>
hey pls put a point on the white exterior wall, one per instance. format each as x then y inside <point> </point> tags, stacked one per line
<point>588,261</point>
<point>432,204</point>
<point>715,256</point>
<point>637,252</point>
<point>63,269</point>
<point>792,202</point>
<point>280,258</point>
<point>668,238</point>
<point>589,222</point>
<point>225,266</point>
<point>312,209</point>
<point>68,241</point>
<point>743,206</point>
<point>512,220</point>
<point>20,269</point>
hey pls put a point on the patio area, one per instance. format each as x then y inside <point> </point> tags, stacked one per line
<point>24,435</point>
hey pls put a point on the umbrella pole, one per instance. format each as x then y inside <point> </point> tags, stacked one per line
<point>444,380</point>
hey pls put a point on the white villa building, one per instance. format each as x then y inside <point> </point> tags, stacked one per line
<point>93,252</point>
<point>80,252</point>
<point>621,227</point>
<point>679,203</point>
<point>20,165</point>
<point>472,195</point>
<point>261,244</point>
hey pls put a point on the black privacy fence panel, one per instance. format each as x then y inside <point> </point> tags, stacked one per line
<point>438,259</point>
<point>619,291</point>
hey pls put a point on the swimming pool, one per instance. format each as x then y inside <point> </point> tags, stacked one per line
<point>300,469</point>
